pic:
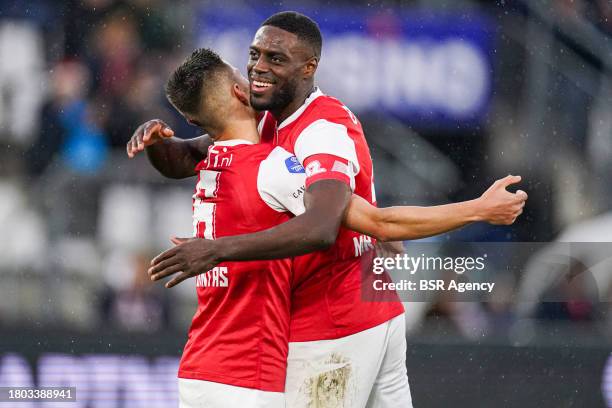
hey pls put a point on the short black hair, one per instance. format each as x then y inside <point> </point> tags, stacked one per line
<point>302,26</point>
<point>184,87</point>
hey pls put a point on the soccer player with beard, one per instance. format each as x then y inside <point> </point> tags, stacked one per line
<point>330,326</point>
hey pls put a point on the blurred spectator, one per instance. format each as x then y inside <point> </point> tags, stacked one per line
<point>156,30</point>
<point>81,19</point>
<point>572,297</point>
<point>468,319</point>
<point>69,126</point>
<point>133,302</point>
<point>602,15</point>
<point>117,49</point>
<point>570,277</point>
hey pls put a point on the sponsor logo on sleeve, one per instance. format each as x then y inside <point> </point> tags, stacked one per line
<point>293,165</point>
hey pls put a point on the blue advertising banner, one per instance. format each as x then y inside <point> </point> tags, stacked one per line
<point>454,373</point>
<point>431,70</point>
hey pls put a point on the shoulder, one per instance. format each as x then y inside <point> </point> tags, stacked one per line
<point>327,117</point>
<point>279,162</point>
<point>280,181</point>
<point>333,110</point>
<point>257,152</point>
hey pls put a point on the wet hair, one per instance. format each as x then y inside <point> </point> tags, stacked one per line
<point>302,26</point>
<point>186,88</point>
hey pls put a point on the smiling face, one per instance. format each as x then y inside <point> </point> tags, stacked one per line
<point>280,68</point>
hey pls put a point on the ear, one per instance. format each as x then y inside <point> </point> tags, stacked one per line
<point>311,67</point>
<point>241,94</point>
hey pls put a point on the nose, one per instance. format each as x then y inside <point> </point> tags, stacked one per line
<point>260,66</point>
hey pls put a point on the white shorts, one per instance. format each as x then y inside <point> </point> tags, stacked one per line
<point>208,394</point>
<point>366,369</point>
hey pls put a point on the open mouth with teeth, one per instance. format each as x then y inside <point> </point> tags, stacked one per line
<point>260,86</point>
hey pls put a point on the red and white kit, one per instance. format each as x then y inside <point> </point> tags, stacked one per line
<point>330,323</point>
<point>237,345</point>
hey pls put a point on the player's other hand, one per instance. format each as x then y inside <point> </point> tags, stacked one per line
<point>147,134</point>
<point>499,206</point>
<point>189,257</point>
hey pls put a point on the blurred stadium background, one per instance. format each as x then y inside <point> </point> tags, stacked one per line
<point>452,94</point>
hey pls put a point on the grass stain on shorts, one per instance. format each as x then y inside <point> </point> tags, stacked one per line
<point>330,389</point>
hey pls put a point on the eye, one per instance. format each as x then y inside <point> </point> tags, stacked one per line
<point>276,59</point>
<point>253,54</point>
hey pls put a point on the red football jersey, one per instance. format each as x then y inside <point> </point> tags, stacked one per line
<point>239,333</point>
<point>326,299</point>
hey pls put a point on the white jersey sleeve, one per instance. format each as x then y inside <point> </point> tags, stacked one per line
<point>281,182</point>
<point>325,137</point>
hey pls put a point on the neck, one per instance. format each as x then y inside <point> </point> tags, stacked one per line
<point>298,101</point>
<point>244,129</point>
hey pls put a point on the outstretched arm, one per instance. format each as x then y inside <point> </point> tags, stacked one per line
<point>171,156</point>
<point>407,222</point>
<point>496,206</point>
<point>316,229</point>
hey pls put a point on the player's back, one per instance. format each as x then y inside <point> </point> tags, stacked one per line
<point>239,333</point>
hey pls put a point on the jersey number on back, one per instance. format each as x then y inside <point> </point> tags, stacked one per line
<point>204,212</point>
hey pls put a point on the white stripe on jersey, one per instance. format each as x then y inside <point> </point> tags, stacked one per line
<point>262,122</point>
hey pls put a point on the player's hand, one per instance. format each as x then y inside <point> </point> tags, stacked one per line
<point>147,134</point>
<point>498,206</point>
<point>190,257</point>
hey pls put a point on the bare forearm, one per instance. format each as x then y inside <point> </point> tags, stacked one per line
<point>292,238</point>
<point>176,158</point>
<point>314,230</point>
<point>496,206</point>
<point>412,222</point>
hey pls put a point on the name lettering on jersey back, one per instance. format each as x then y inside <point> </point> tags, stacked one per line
<point>363,243</point>
<point>215,278</point>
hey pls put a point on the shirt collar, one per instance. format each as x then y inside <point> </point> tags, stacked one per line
<point>314,95</point>
<point>233,142</point>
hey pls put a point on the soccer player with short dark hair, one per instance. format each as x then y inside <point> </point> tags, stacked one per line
<point>236,351</point>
